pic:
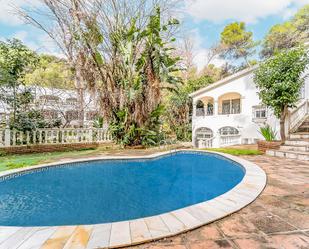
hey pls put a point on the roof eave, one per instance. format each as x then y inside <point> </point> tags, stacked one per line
<point>224,81</point>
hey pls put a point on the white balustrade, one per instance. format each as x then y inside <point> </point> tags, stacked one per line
<point>205,142</point>
<point>297,115</point>
<point>226,140</point>
<point>10,138</point>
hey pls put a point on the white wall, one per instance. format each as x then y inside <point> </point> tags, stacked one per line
<point>243,122</point>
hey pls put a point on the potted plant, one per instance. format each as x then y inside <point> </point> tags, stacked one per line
<point>270,142</point>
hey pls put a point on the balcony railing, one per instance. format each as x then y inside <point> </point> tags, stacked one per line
<point>226,110</point>
<point>209,111</point>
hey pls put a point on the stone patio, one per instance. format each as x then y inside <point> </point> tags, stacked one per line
<point>279,218</point>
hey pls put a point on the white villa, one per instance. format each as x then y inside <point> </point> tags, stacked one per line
<point>229,112</point>
<point>59,104</point>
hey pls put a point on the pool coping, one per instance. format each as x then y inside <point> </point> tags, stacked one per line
<point>142,230</point>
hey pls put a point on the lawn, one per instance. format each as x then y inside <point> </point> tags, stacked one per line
<point>18,161</point>
<point>236,151</point>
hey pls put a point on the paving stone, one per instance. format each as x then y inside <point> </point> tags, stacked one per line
<point>254,242</point>
<point>79,238</point>
<point>59,238</point>
<point>290,241</point>
<point>236,226</point>
<point>36,240</point>
<point>211,244</point>
<point>268,223</point>
<point>100,236</point>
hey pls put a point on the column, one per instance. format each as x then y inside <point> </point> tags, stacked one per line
<point>194,109</point>
<point>216,110</point>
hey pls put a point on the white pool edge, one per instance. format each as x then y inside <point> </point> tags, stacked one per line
<point>137,231</point>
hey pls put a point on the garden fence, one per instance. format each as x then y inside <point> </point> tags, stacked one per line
<point>9,138</point>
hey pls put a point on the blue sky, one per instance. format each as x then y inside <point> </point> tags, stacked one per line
<point>203,20</point>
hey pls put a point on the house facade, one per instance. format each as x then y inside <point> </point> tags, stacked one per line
<point>60,104</point>
<point>230,112</point>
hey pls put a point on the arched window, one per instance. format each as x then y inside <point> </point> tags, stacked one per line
<point>228,131</point>
<point>202,133</point>
<point>200,111</point>
<point>229,103</point>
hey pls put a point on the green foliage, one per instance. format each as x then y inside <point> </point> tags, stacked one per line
<point>236,152</point>
<point>279,79</point>
<point>288,34</point>
<point>301,21</point>
<point>98,122</point>
<point>142,73</point>
<point>131,134</point>
<point>32,120</point>
<point>268,133</point>
<point>237,42</point>
<point>179,107</point>
<point>280,36</point>
<point>51,72</point>
<point>15,60</point>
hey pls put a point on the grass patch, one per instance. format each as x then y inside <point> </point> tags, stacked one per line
<point>18,161</point>
<point>236,152</point>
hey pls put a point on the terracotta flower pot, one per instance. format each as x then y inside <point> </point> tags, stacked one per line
<point>268,145</point>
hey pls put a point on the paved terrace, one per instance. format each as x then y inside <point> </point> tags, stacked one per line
<point>279,218</point>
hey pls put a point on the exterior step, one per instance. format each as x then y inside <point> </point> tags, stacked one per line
<point>289,154</point>
<point>300,148</point>
<point>300,135</point>
<point>303,129</point>
<point>296,142</point>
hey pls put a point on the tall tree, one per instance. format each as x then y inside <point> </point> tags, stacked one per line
<point>279,37</point>
<point>15,61</point>
<point>122,50</point>
<point>51,72</point>
<point>279,80</point>
<point>301,21</point>
<point>236,42</point>
<point>288,34</point>
<point>186,53</point>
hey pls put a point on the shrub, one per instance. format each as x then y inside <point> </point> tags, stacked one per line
<point>268,133</point>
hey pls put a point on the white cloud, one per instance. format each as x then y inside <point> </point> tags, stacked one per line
<point>241,10</point>
<point>201,54</point>
<point>8,9</point>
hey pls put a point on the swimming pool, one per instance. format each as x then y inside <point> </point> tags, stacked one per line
<point>114,190</point>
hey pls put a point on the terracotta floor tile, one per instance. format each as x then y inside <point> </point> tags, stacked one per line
<point>290,241</point>
<point>256,242</point>
<point>211,244</point>
<point>268,223</point>
<point>211,232</point>
<point>236,226</point>
<point>292,216</point>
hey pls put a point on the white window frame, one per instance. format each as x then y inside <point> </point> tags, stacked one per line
<point>259,109</point>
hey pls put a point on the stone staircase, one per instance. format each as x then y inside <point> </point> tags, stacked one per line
<point>297,146</point>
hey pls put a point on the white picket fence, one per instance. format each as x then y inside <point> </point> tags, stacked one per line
<point>10,138</point>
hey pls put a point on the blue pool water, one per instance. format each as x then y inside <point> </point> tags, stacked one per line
<point>108,191</point>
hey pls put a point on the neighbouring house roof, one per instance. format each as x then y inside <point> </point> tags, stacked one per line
<point>224,81</point>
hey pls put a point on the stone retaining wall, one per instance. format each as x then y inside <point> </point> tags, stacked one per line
<point>268,145</point>
<point>47,148</point>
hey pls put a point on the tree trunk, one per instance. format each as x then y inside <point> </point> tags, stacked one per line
<point>282,123</point>
<point>81,111</point>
